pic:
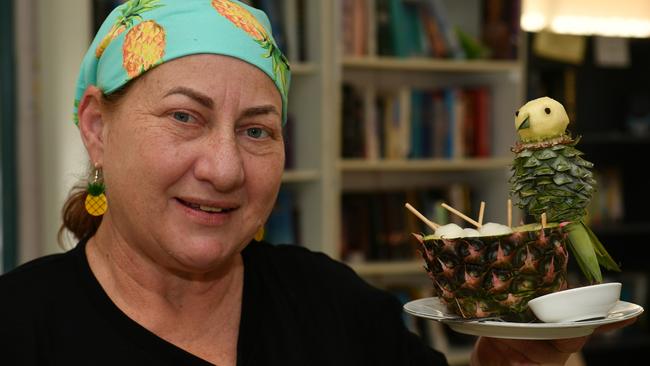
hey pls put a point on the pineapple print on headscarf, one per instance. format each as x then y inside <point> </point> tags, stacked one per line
<point>245,21</point>
<point>141,34</point>
<point>131,11</point>
<point>144,47</point>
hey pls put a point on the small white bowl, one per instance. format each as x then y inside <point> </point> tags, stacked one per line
<point>580,303</point>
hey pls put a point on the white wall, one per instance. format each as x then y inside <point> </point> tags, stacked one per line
<point>64,33</point>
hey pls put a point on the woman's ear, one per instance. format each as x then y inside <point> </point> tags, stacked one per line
<point>91,123</point>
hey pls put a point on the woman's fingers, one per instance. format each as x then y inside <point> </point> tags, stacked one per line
<point>495,352</point>
<point>614,326</point>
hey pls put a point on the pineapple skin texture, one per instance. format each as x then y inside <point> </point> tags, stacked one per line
<point>496,275</point>
<point>96,205</point>
<point>553,179</point>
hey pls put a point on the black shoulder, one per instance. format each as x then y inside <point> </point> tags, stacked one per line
<point>38,277</point>
<point>295,259</point>
<point>310,270</point>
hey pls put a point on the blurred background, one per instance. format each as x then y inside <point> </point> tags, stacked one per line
<point>392,101</point>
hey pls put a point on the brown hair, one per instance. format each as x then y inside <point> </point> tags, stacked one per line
<point>75,217</point>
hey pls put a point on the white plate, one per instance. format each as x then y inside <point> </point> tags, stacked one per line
<point>432,308</point>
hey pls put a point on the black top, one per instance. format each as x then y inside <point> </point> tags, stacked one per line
<point>299,308</point>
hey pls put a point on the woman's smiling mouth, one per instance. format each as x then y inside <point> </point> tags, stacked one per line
<point>208,208</point>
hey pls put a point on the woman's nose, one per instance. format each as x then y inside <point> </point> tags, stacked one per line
<point>220,163</point>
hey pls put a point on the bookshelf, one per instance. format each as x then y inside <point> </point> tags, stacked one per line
<point>372,71</point>
<point>364,67</point>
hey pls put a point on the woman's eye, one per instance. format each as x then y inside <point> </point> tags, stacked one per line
<point>182,116</point>
<point>256,132</point>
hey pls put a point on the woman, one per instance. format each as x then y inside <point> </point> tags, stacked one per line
<point>180,106</point>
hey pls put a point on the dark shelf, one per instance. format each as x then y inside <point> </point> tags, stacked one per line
<point>623,348</point>
<point>613,138</point>
<point>623,229</point>
<point>609,109</point>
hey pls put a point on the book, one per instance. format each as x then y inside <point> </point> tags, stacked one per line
<point>383,37</point>
<point>355,227</point>
<point>438,11</point>
<point>291,21</point>
<point>372,125</point>
<point>282,226</point>
<point>275,13</point>
<point>353,123</point>
<point>405,28</point>
<point>482,123</point>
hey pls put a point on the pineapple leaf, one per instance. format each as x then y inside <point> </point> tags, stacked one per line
<point>583,250</point>
<point>525,154</point>
<point>545,154</point>
<point>604,258</point>
<point>561,179</point>
<point>545,170</point>
<point>95,189</point>
<point>532,162</point>
<point>560,164</point>
<point>571,152</point>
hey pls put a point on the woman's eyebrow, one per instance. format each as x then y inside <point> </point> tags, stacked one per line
<point>260,110</point>
<point>193,94</point>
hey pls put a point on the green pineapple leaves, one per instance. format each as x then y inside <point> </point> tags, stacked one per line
<point>589,252</point>
<point>553,178</point>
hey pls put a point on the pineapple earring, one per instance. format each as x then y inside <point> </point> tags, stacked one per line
<point>96,204</point>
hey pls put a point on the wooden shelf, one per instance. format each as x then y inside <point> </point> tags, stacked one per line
<point>387,268</point>
<point>611,138</point>
<point>300,176</point>
<point>303,68</point>
<point>429,64</point>
<point>622,229</point>
<point>422,165</point>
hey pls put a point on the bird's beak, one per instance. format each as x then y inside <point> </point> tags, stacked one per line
<point>524,124</point>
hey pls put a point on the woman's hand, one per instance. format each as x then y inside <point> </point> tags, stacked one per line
<point>497,352</point>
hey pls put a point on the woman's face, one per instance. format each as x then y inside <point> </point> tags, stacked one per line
<point>192,160</point>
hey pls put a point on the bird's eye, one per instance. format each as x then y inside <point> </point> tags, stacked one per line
<point>517,114</point>
<point>547,110</point>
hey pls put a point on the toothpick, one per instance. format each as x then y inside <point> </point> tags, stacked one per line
<point>461,215</point>
<point>543,220</point>
<point>415,212</point>
<point>509,213</point>
<point>481,210</point>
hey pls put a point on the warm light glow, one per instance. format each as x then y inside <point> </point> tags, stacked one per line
<point>533,22</point>
<point>629,18</point>
<point>623,27</point>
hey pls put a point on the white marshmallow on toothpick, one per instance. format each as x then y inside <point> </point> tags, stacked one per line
<point>449,231</point>
<point>469,232</point>
<point>493,229</point>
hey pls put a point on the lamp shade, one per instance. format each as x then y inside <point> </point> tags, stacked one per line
<point>628,18</point>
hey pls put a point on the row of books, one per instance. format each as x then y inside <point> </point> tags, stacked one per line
<point>288,20</point>
<point>283,225</point>
<point>425,28</point>
<point>415,123</point>
<point>376,226</point>
<point>607,204</point>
